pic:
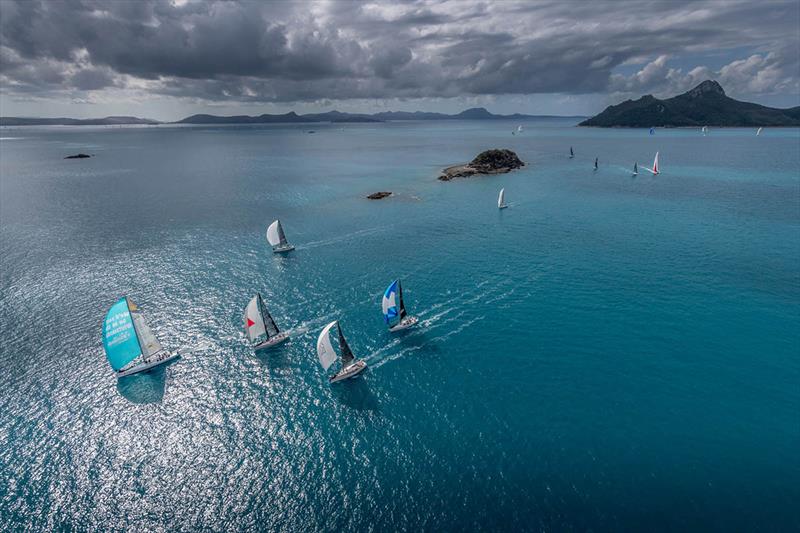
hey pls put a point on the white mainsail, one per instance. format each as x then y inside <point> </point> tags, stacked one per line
<point>501,200</point>
<point>325,351</point>
<point>148,342</point>
<point>759,131</point>
<point>254,322</point>
<point>519,128</point>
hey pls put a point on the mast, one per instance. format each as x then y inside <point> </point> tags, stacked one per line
<point>347,353</point>
<point>269,323</point>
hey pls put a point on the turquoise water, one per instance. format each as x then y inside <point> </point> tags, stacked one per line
<point>610,353</point>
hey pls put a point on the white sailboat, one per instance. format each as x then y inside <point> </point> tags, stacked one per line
<point>519,128</point>
<point>129,343</point>
<point>654,170</point>
<point>501,200</point>
<point>704,130</point>
<point>259,325</point>
<point>394,309</point>
<point>327,355</point>
<point>759,131</point>
<point>277,238</point>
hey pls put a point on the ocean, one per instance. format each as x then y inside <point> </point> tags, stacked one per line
<point>610,353</point>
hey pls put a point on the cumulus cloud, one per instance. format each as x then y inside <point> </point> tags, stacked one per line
<point>290,52</point>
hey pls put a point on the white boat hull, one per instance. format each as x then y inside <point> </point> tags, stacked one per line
<point>274,341</point>
<point>282,249</point>
<point>152,361</point>
<point>502,206</point>
<point>349,371</point>
<point>406,323</point>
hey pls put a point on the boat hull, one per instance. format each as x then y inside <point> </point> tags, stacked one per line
<point>282,249</point>
<point>349,371</point>
<point>406,323</point>
<point>274,341</point>
<point>151,362</point>
<point>502,206</point>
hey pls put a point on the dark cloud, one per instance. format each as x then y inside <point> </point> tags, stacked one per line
<point>283,52</point>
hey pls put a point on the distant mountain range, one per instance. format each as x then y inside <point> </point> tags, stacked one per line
<point>107,121</point>
<point>705,105</point>
<point>475,113</point>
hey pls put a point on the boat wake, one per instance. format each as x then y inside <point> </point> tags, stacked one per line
<point>345,237</point>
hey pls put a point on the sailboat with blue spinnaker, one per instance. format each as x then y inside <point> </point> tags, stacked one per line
<point>130,345</point>
<point>394,308</point>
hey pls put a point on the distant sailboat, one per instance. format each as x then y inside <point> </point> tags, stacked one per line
<point>635,170</point>
<point>277,238</point>
<point>595,163</point>
<point>519,128</point>
<point>654,170</point>
<point>260,326</point>
<point>394,309</point>
<point>571,153</point>
<point>704,130</point>
<point>759,131</point>
<point>327,355</point>
<point>652,131</point>
<point>501,200</point>
<point>129,343</point>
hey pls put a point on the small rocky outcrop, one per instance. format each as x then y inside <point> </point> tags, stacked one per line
<point>497,161</point>
<point>379,195</point>
<point>78,156</point>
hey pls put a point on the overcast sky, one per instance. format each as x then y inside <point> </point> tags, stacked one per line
<point>166,59</point>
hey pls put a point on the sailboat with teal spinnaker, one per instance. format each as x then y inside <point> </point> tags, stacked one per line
<point>129,343</point>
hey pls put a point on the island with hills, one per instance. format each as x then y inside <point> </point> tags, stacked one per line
<point>496,161</point>
<point>62,121</point>
<point>475,113</point>
<point>705,105</point>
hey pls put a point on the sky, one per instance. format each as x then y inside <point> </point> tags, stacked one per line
<point>166,59</point>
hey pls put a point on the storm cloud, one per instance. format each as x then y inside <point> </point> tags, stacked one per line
<point>298,52</point>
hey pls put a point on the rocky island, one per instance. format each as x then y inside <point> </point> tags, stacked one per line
<point>705,105</point>
<point>497,161</point>
<point>379,195</point>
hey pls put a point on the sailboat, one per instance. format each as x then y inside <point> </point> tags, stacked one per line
<point>595,163</point>
<point>652,131</point>
<point>259,325</point>
<point>635,170</point>
<point>519,128</point>
<point>129,343</point>
<point>277,238</point>
<point>393,308</point>
<point>571,153</point>
<point>759,131</point>
<point>501,200</point>
<point>654,170</point>
<point>327,355</point>
<point>704,130</point>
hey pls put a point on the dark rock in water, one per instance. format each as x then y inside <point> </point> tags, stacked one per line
<point>489,162</point>
<point>379,195</point>
<point>78,156</point>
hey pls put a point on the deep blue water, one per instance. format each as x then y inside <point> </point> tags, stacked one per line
<point>609,354</point>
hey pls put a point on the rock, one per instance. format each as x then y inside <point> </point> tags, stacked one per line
<point>379,195</point>
<point>489,162</point>
<point>78,156</point>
